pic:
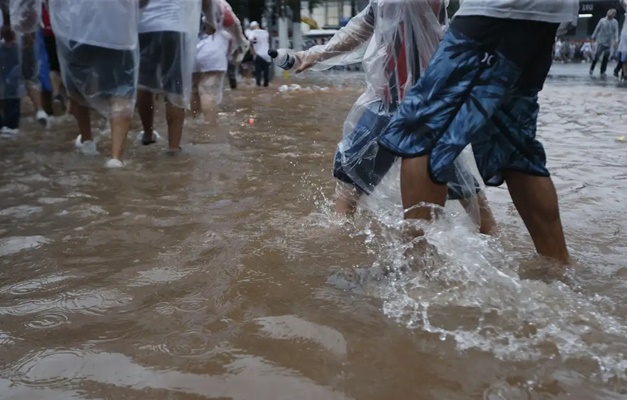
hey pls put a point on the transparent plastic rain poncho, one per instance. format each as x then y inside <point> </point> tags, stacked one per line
<point>394,40</point>
<point>211,64</point>
<point>167,61</point>
<point>19,64</point>
<point>98,49</point>
<point>222,17</point>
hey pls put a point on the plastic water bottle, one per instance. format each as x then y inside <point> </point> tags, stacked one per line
<point>283,58</point>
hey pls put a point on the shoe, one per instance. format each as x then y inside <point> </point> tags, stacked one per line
<point>8,133</point>
<point>114,163</point>
<point>42,118</point>
<point>155,138</point>
<point>603,75</point>
<point>88,147</point>
<point>58,105</point>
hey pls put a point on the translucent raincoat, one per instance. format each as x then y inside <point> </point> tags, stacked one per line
<point>98,49</point>
<point>395,40</point>
<point>223,17</point>
<point>168,35</point>
<point>19,64</point>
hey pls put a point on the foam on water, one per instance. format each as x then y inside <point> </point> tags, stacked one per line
<point>469,290</point>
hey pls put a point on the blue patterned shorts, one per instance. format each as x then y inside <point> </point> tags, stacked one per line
<point>476,94</point>
<point>362,163</point>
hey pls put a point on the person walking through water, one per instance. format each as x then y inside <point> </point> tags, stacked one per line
<point>260,40</point>
<point>606,36</point>
<point>481,88</point>
<point>210,66</point>
<point>168,31</point>
<point>400,36</point>
<point>98,48</point>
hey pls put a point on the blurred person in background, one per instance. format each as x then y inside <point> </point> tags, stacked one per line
<point>18,62</point>
<point>260,40</point>
<point>606,36</point>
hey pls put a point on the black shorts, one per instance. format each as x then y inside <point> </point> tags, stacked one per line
<point>51,51</point>
<point>93,71</point>
<point>248,57</point>
<point>162,55</point>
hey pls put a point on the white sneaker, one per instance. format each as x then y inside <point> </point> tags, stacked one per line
<point>114,163</point>
<point>8,133</point>
<point>155,137</point>
<point>42,118</point>
<point>88,147</point>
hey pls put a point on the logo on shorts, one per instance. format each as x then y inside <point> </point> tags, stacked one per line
<point>488,59</point>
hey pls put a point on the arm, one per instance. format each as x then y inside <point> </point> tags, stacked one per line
<point>351,38</point>
<point>615,26</point>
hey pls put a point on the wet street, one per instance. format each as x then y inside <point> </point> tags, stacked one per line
<point>214,275</point>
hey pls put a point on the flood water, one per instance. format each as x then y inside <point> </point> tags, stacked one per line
<point>214,275</point>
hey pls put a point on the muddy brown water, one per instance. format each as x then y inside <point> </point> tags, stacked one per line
<point>206,276</point>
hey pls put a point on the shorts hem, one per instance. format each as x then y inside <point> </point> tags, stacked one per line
<point>522,171</point>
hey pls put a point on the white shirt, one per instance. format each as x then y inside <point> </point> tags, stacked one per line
<point>169,15</point>
<point>260,40</point>
<point>104,23</point>
<point>212,52</point>
<point>554,11</point>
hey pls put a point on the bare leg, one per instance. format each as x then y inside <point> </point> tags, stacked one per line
<point>209,108</point>
<point>210,87</point>
<point>345,200</point>
<point>146,108</point>
<point>175,117</point>
<point>535,199</point>
<point>35,95</point>
<point>55,83</point>
<point>418,192</point>
<point>121,113</point>
<point>83,119</point>
<point>487,223</point>
<point>195,101</point>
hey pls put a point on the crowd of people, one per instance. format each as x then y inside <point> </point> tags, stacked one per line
<point>115,56</point>
<point>606,43</point>
<point>430,92</point>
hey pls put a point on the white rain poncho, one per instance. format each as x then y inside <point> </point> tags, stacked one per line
<point>168,33</point>
<point>394,40</point>
<point>223,18</point>
<point>211,64</point>
<point>19,64</point>
<point>98,49</point>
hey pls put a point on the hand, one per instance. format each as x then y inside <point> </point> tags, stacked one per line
<point>7,34</point>
<point>305,65</point>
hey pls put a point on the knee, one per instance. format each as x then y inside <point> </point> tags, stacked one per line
<point>122,108</point>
